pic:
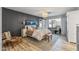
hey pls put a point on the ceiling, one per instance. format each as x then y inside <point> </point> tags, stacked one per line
<point>52,11</point>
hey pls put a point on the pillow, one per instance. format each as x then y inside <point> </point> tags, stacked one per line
<point>30,28</point>
<point>23,32</point>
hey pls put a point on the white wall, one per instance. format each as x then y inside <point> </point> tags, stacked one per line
<point>72,21</point>
<point>0,28</point>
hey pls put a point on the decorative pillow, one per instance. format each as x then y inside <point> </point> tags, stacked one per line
<point>30,31</point>
<point>30,28</point>
<point>23,32</point>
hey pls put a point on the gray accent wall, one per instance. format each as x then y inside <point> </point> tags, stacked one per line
<point>12,20</point>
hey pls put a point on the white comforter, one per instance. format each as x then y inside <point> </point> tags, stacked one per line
<point>39,33</point>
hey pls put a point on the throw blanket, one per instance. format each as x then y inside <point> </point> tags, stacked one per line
<point>39,33</point>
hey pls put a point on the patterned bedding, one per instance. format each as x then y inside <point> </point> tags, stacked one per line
<point>39,34</point>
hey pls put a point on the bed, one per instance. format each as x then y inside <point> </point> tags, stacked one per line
<point>39,34</point>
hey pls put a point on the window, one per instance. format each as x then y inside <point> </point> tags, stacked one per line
<point>50,23</point>
<point>54,22</point>
<point>40,24</point>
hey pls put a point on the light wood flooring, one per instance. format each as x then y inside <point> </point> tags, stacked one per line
<point>29,44</point>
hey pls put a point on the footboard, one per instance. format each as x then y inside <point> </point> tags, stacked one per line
<point>47,37</point>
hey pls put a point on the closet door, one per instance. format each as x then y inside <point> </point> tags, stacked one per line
<point>71,29</point>
<point>72,21</point>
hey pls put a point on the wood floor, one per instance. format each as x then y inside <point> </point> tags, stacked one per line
<point>62,44</point>
<point>30,44</point>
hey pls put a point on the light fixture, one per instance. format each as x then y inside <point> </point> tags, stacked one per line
<point>44,13</point>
